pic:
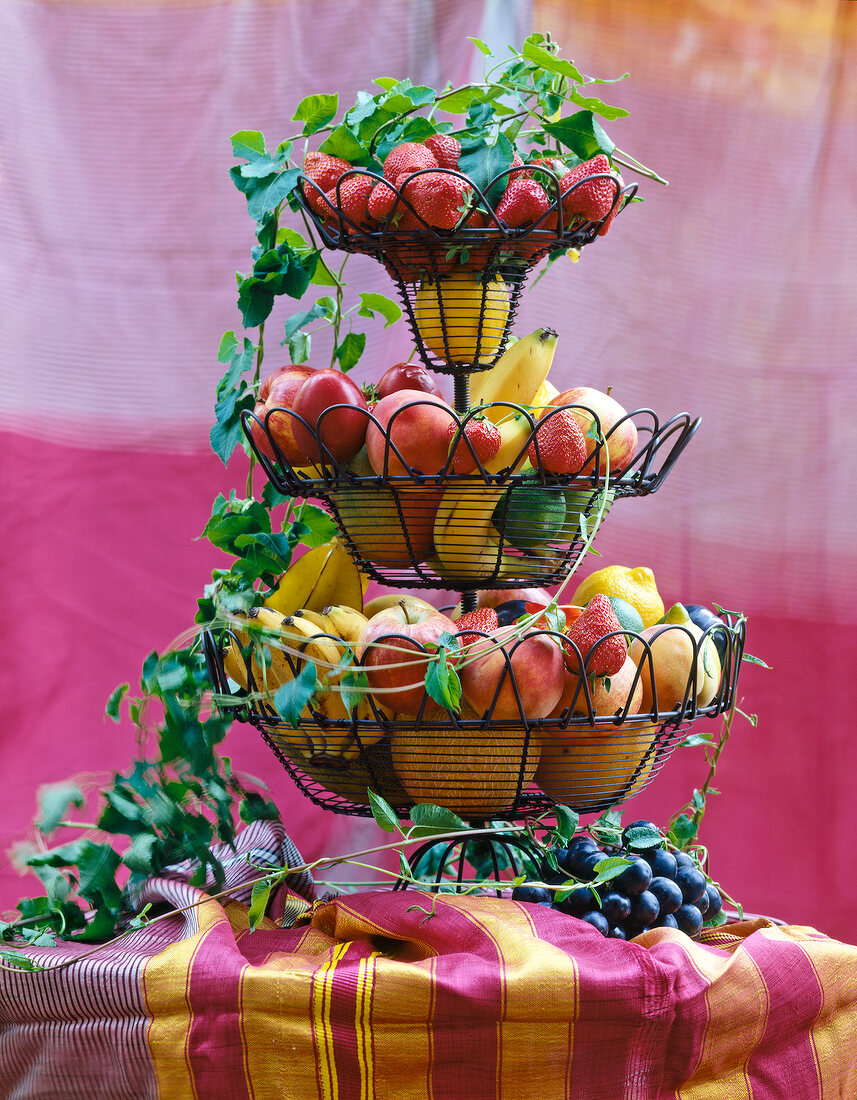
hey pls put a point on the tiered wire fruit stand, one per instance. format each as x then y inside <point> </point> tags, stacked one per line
<point>503,762</point>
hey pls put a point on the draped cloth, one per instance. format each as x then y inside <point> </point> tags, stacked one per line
<point>368,996</point>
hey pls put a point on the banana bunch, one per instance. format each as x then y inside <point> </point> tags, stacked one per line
<point>465,539</point>
<point>518,376</point>
<point>323,576</point>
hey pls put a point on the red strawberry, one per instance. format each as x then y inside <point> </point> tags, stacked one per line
<point>618,206</point>
<point>591,200</point>
<point>562,446</point>
<point>408,157</point>
<point>353,196</point>
<point>523,201</point>
<point>445,149</point>
<point>324,171</point>
<point>439,199</point>
<point>597,621</point>
<point>482,435</point>
<point>483,618</point>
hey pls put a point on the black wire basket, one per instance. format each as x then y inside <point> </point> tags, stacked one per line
<point>601,744</point>
<point>460,288</point>
<point>493,528</point>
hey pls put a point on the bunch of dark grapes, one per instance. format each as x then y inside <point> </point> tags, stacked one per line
<point>661,888</point>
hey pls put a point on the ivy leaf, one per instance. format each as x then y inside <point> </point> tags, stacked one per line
<point>260,895</point>
<point>441,679</point>
<point>481,46</point>
<point>598,106</point>
<point>12,958</point>
<point>683,830</point>
<point>429,819</point>
<point>256,808</point>
<point>638,836</point>
<point>112,707</point>
<point>248,144</point>
<point>349,351</point>
<point>550,61</point>
<point>383,812</point>
<point>270,191</point>
<point>233,517</point>
<point>227,431</point>
<point>372,304</point>
<point>566,821</point>
<point>483,162</point>
<point>342,143</point>
<point>316,526</point>
<point>292,696</point>
<point>610,868</point>
<point>139,856</point>
<point>459,102</point>
<point>581,133</point>
<point>315,111</point>
<point>272,552</point>
<point>55,799</point>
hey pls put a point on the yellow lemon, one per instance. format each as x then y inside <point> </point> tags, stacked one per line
<point>637,586</point>
<point>462,319</point>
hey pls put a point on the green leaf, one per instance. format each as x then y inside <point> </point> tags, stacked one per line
<point>260,895</point>
<point>547,60</point>
<point>459,102</point>
<point>231,517</point>
<point>255,300</point>
<point>139,856</point>
<point>598,106</point>
<point>582,133</point>
<point>112,707</point>
<point>342,143</point>
<point>483,162</point>
<point>683,830</point>
<point>566,821</point>
<point>54,801</point>
<point>317,526</point>
<point>256,808</point>
<point>751,660</point>
<point>226,432</point>
<point>12,958</point>
<point>610,868</point>
<point>373,304</point>
<point>442,682</point>
<point>273,552</point>
<point>292,696</point>
<point>349,351</point>
<point>481,46</point>
<point>404,866</point>
<point>429,819</point>
<point>248,144</point>
<point>638,836</point>
<point>270,191</point>
<point>297,321</point>
<point>383,812</point>
<point>315,111</point>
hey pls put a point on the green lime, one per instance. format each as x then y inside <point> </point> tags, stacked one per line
<point>529,518</point>
<point>585,501</point>
<point>629,617</point>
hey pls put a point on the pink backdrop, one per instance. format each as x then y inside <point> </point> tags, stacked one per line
<point>729,295</point>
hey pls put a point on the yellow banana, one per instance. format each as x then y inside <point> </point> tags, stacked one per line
<point>517,375</point>
<point>319,577</point>
<point>269,673</point>
<point>514,435</point>
<point>464,537</point>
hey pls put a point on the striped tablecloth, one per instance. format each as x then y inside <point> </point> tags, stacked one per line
<point>364,998</point>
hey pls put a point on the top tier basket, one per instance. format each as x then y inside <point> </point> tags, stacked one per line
<point>441,275</point>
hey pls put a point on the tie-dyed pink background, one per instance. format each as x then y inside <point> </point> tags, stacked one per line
<point>730,295</point>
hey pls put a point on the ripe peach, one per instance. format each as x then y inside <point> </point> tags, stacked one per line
<point>420,432</point>
<point>536,665</point>
<point>621,441</point>
<point>608,694</point>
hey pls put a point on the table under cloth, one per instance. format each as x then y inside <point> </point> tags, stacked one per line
<point>365,997</point>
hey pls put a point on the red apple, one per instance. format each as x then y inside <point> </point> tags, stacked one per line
<point>419,431</point>
<point>380,648</point>
<point>277,391</point>
<point>341,431</point>
<point>407,376</point>
<point>621,441</point>
<point>536,665</point>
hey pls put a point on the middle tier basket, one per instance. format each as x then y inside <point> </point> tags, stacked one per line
<point>508,524</point>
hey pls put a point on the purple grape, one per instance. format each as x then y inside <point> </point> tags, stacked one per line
<point>688,920</point>
<point>617,932</point>
<point>635,878</point>
<point>645,908</point>
<point>667,892</point>
<point>538,895</point>
<point>715,902</point>
<point>662,862</point>
<point>578,902</point>
<point>666,920</point>
<point>691,882</point>
<point>597,920</point>
<point>616,907</point>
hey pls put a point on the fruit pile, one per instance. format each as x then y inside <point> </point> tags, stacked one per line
<point>423,189</point>
<point>494,493</point>
<point>650,885</point>
<point>571,697</point>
